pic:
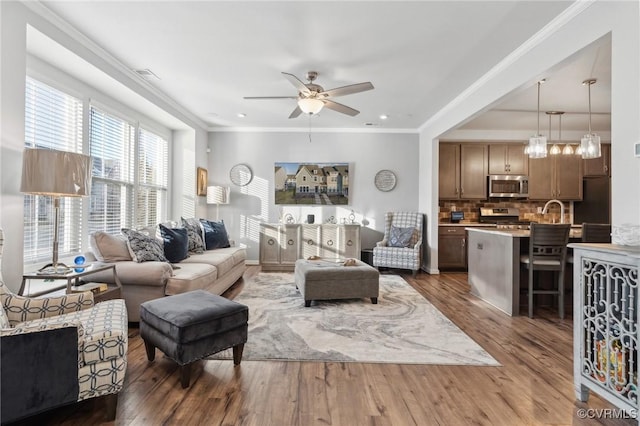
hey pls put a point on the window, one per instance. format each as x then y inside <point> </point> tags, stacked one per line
<point>53,120</point>
<point>153,179</point>
<point>111,144</point>
<point>130,175</point>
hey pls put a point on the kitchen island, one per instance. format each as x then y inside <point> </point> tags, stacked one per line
<point>494,265</point>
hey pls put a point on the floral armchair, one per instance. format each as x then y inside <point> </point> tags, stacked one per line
<point>401,246</point>
<point>59,350</point>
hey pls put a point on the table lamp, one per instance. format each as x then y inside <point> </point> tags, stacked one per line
<point>56,174</point>
<point>218,195</point>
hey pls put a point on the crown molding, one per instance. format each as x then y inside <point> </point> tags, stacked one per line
<point>135,81</point>
<point>306,130</point>
<point>551,28</point>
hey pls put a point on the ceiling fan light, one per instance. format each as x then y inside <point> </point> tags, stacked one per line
<point>537,146</point>
<point>567,150</point>
<point>310,105</point>
<point>590,145</point>
<point>555,149</point>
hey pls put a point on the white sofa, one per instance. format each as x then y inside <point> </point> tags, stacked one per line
<point>214,271</point>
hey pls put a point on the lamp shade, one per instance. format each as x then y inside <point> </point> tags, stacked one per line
<point>537,147</point>
<point>218,195</point>
<point>310,105</point>
<point>55,173</point>
<point>590,145</point>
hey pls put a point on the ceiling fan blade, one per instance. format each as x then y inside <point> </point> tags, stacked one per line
<point>296,112</point>
<point>270,97</point>
<point>340,108</point>
<point>347,90</point>
<point>297,83</point>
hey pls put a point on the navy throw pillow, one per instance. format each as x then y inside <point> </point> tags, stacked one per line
<point>176,243</point>
<point>215,234</point>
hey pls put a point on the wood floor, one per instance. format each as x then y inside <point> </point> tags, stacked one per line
<point>532,387</point>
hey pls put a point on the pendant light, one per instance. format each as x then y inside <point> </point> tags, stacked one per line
<point>590,143</point>
<point>537,147</point>
<point>555,149</point>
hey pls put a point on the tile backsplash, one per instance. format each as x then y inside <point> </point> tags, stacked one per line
<point>528,210</point>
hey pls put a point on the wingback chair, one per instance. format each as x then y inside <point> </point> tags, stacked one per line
<point>58,350</point>
<point>401,246</point>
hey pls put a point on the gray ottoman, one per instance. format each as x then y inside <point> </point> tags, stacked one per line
<point>191,326</point>
<point>325,280</point>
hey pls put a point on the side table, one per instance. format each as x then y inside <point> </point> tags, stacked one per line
<point>73,279</point>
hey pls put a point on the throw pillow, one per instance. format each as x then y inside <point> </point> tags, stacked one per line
<point>109,248</point>
<point>194,232</point>
<point>400,237</point>
<point>215,234</point>
<point>143,247</point>
<point>176,243</point>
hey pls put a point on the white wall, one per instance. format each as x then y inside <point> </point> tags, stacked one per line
<point>582,25</point>
<point>367,153</point>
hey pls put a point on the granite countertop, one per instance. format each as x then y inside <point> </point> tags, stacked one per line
<point>473,224</point>
<point>525,233</point>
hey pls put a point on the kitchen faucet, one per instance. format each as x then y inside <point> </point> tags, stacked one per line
<point>544,210</point>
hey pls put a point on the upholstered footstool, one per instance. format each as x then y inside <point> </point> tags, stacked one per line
<point>191,326</point>
<point>326,280</point>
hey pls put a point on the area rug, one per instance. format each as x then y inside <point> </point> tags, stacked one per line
<point>402,328</point>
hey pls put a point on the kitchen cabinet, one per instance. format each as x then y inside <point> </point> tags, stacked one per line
<point>555,177</point>
<point>599,166</point>
<point>508,159</point>
<point>452,247</point>
<point>281,245</point>
<point>463,170</point>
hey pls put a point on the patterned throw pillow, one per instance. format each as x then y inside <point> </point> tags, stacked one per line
<point>143,247</point>
<point>215,234</point>
<point>176,243</point>
<point>400,237</point>
<point>194,232</point>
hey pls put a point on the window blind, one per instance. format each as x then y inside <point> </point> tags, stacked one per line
<point>130,174</point>
<point>53,120</point>
<point>153,179</point>
<point>112,146</point>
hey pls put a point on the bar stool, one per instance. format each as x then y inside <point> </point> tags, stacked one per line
<point>593,233</point>
<point>547,252</point>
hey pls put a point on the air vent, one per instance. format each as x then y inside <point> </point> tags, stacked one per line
<point>147,74</point>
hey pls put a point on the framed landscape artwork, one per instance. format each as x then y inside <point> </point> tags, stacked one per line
<point>311,183</point>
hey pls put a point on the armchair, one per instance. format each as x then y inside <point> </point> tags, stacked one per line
<point>401,246</point>
<point>59,350</point>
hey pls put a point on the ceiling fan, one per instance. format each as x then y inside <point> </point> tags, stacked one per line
<point>312,97</point>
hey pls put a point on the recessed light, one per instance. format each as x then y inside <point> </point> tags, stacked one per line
<point>383,116</point>
<point>241,115</point>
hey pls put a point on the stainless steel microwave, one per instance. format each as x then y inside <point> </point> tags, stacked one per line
<point>508,186</point>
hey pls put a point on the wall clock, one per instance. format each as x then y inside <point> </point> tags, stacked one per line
<point>385,180</point>
<point>240,174</point>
